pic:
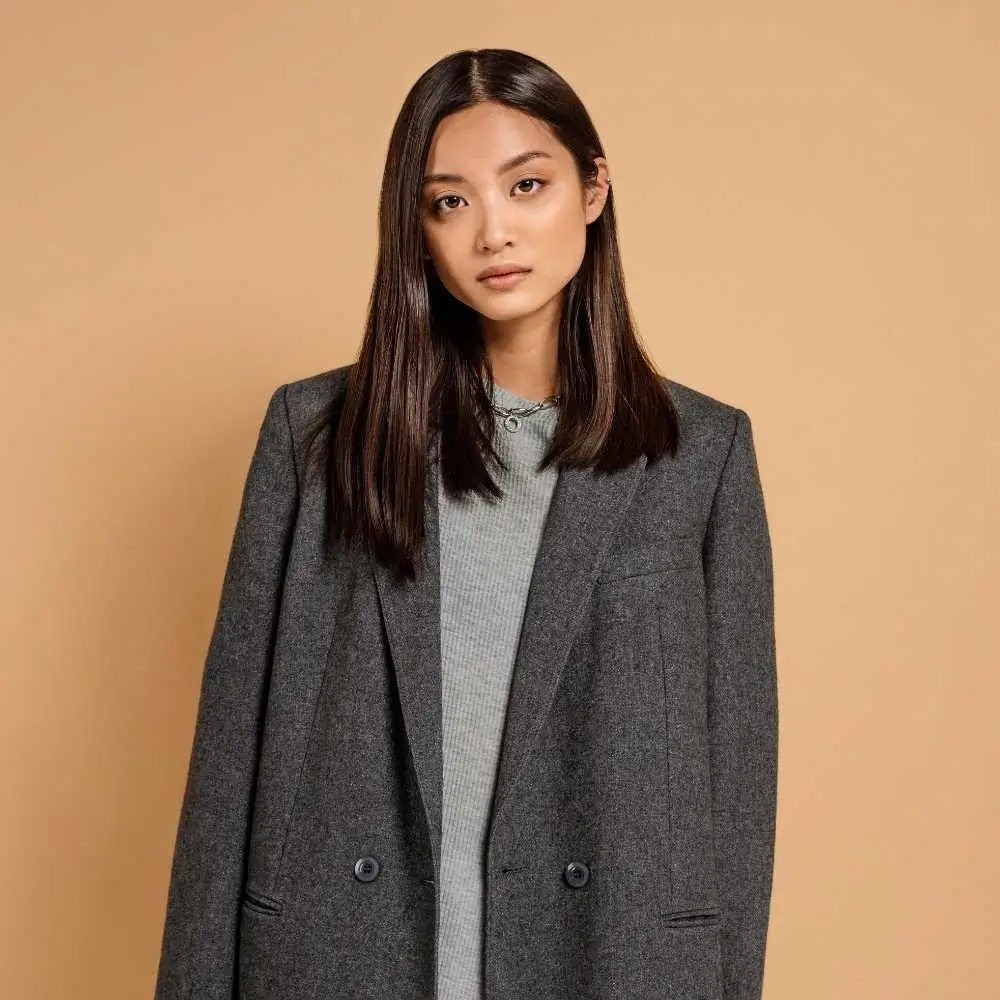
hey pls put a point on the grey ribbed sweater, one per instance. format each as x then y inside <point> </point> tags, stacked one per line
<point>487,556</point>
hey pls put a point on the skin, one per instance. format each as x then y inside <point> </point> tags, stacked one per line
<point>535,214</point>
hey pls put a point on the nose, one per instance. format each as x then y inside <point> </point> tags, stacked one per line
<point>494,230</point>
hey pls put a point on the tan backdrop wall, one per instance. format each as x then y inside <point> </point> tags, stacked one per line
<point>809,208</point>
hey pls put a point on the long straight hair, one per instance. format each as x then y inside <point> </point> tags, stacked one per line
<point>419,374</point>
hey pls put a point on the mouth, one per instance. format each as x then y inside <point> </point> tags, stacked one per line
<point>501,271</point>
<point>505,279</point>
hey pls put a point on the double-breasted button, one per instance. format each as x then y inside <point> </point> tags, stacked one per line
<point>366,869</point>
<point>576,874</point>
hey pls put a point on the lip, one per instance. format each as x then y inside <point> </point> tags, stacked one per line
<point>496,270</point>
<point>499,282</point>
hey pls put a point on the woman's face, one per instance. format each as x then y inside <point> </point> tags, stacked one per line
<point>533,213</point>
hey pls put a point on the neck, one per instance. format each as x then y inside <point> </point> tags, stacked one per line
<point>524,351</point>
<point>524,365</point>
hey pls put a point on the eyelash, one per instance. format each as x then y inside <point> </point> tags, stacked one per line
<point>436,206</point>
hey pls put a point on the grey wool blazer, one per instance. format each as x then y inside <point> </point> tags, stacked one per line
<point>631,837</point>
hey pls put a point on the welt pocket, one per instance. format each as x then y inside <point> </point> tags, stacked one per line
<point>259,902</point>
<point>673,552</point>
<point>695,916</point>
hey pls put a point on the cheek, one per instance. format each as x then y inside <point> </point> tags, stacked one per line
<point>572,256</point>
<point>463,288</point>
<point>560,261</point>
<point>561,242</point>
<point>441,261</point>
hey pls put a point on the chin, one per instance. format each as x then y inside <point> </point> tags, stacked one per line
<point>513,310</point>
<point>513,302</point>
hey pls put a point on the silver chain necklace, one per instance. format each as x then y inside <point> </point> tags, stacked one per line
<point>512,415</point>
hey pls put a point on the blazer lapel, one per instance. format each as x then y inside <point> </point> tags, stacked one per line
<point>585,508</point>
<point>411,613</point>
<point>583,513</point>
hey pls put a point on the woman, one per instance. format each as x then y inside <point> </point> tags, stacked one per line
<point>490,705</point>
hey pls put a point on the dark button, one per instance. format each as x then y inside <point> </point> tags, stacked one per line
<point>577,874</point>
<point>366,869</point>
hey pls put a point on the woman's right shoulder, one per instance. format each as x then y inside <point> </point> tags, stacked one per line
<point>307,396</point>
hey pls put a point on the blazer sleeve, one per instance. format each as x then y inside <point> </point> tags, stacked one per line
<point>742,711</point>
<point>198,956</point>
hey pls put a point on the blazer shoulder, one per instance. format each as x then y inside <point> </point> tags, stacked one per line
<point>709,430</point>
<point>307,396</point>
<point>702,417</point>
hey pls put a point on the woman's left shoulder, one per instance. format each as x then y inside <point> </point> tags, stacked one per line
<point>705,420</point>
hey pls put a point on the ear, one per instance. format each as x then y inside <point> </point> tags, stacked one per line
<point>596,192</point>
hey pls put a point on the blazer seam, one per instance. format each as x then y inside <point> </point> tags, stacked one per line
<point>725,462</point>
<point>291,437</point>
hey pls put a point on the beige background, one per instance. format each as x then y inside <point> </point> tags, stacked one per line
<point>808,202</point>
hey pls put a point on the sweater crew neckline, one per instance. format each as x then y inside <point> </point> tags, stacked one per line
<point>504,397</point>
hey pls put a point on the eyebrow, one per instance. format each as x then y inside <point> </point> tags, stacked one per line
<point>514,161</point>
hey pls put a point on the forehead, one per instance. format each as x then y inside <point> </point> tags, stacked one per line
<point>476,141</point>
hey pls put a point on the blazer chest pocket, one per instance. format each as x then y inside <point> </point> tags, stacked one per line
<point>650,556</point>
<point>640,571</point>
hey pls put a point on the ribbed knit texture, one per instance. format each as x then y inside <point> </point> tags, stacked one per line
<point>488,553</point>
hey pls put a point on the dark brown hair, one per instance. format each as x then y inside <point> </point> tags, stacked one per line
<point>419,370</point>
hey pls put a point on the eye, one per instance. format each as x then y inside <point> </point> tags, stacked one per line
<point>437,206</point>
<point>437,203</point>
<point>531,180</point>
